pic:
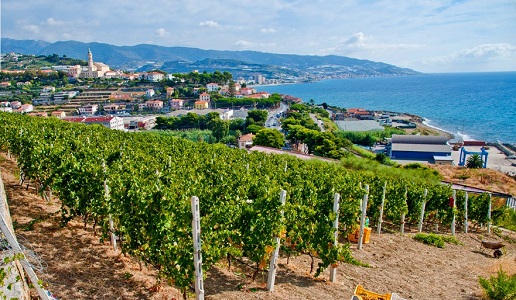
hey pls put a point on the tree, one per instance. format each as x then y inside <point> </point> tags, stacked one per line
<point>474,162</point>
<point>269,137</point>
<point>259,116</point>
<point>218,127</point>
<point>253,128</point>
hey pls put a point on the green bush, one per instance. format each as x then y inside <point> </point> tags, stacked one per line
<point>436,239</point>
<point>505,217</point>
<point>499,287</point>
<point>430,239</point>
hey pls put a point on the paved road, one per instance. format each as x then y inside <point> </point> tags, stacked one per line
<point>273,119</point>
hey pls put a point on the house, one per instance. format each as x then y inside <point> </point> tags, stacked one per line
<point>48,89</point>
<point>88,109</point>
<point>419,148</point>
<point>212,87</point>
<point>264,95</point>
<point>201,104</point>
<point>58,114</point>
<point>25,108</point>
<point>170,92</point>
<point>247,91</point>
<point>5,84</point>
<point>15,104</point>
<point>149,93</point>
<point>114,108</point>
<point>38,114</point>
<point>245,141</point>
<point>110,122</point>
<point>154,104</point>
<point>153,76</point>
<point>74,71</point>
<point>177,103</point>
<point>204,97</point>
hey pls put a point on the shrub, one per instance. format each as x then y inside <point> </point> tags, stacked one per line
<point>499,287</point>
<point>430,239</point>
<point>436,240</point>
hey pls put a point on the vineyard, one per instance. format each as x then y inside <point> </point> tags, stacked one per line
<point>139,187</point>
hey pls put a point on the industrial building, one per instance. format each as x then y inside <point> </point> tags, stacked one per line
<point>420,148</point>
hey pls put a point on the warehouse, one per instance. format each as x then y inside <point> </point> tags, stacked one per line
<point>419,147</point>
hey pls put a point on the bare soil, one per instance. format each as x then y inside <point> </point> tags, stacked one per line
<point>77,265</point>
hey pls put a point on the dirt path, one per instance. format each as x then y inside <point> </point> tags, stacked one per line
<point>78,266</point>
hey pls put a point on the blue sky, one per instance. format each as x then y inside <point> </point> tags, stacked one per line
<point>425,35</point>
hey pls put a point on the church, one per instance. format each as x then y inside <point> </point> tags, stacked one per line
<point>94,69</point>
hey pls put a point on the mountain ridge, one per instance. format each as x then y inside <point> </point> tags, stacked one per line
<point>155,56</point>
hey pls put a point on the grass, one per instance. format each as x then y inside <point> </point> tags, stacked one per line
<point>506,218</point>
<point>436,240</point>
<point>499,287</point>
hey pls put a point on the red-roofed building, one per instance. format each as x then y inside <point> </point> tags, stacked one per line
<point>177,103</point>
<point>247,91</point>
<point>201,104</point>
<point>25,108</point>
<point>110,122</point>
<point>204,97</point>
<point>245,141</point>
<point>58,114</point>
<point>154,104</point>
<point>212,87</point>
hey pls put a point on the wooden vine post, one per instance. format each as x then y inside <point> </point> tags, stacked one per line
<point>380,219</point>
<point>271,277</point>
<point>362,218</point>
<point>422,216</point>
<point>196,235</point>
<point>336,205</point>
<point>106,198</point>
<point>489,214</point>
<point>402,227</point>
<point>466,213</point>
<point>454,196</point>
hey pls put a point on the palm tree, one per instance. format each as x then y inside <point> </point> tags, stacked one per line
<point>474,162</point>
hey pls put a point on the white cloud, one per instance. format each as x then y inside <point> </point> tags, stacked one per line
<point>268,30</point>
<point>359,42</point>
<point>249,45</point>
<point>32,28</point>
<point>161,32</point>
<point>243,44</point>
<point>209,24</point>
<point>480,52</point>
<point>487,51</point>
<point>52,22</point>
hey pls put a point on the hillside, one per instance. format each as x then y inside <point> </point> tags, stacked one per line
<point>133,57</point>
<point>79,266</point>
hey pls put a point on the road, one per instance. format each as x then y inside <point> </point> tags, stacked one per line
<point>273,119</point>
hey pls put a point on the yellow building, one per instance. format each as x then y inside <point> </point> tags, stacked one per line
<point>201,104</point>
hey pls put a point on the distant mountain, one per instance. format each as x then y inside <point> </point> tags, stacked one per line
<point>183,59</point>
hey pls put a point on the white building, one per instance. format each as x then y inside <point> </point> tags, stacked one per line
<point>153,76</point>
<point>212,87</point>
<point>89,109</point>
<point>110,122</point>
<point>94,70</point>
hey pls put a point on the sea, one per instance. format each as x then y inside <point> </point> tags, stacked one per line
<point>471,106</point>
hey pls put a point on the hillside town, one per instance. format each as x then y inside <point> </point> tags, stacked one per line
<point>92,93</point>
<point>96,94</point>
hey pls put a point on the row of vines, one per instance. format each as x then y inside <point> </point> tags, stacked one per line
<point>151,179</point>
